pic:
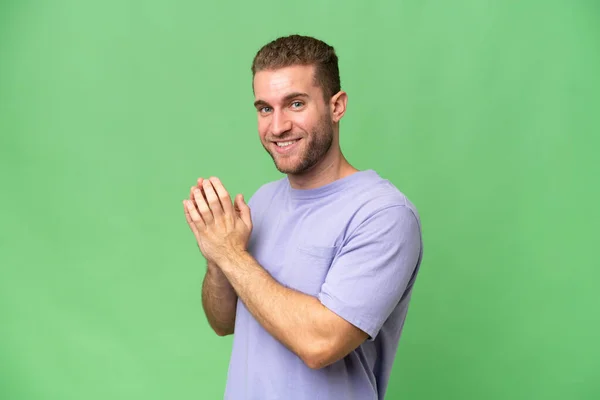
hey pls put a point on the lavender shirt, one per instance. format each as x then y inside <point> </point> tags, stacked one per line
<point>355,244</point>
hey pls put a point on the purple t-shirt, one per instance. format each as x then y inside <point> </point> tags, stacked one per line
<point>355,244</point>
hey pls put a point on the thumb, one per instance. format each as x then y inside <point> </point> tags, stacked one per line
<point>243,210</point>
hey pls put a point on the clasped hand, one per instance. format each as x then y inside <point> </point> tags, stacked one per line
<point>220,227</point>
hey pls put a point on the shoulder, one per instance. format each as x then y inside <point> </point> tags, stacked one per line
<point>381,199</point>
<point>384,226</point>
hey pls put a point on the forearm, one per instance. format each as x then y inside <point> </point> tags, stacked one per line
<point>219,300</point>
<point>295,319</point>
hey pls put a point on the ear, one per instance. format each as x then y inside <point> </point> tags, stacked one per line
<point>338,105</point>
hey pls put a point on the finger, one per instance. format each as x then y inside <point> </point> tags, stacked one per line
<point>243,210</point>
<point>213,199</point>
<point>199,186</point>
<point>189,220</point>
<point>223,195</point>
<point>193,216</point>
<point>192,190</point>
<point>203,207</point>
<point>193,197</point>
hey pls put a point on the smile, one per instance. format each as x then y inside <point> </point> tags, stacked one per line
<point>285,144</point>
<point>285,147</point>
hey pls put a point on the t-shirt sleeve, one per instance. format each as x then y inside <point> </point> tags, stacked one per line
<point>372,270</point>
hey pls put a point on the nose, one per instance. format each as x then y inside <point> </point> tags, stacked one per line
<point>280,123</point>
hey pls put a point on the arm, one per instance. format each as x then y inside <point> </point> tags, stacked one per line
<point>299,321</point>
<point>219,300</point>
<point>365,283</point>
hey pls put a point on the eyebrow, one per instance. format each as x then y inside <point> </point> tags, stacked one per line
<point>287,98</point>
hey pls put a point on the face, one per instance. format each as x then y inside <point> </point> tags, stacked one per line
<point>295,123</point>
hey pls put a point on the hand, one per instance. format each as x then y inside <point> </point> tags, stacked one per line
<point>220,228</point>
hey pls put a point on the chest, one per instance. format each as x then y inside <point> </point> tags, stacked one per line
<point>299,248</point>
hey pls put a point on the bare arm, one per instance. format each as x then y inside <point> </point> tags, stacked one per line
<point>219,300</point>
<point>315,333</point>
<point>299,321</point>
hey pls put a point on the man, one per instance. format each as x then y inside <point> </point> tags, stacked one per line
<point>314,274</point>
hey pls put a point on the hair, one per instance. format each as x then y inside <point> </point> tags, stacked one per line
<point>301,50</point>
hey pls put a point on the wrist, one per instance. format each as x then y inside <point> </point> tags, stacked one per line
<point>232,259</point>
<point>212,267</point>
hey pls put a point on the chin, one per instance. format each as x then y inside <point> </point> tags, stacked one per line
<point>288,169</point>
<point>295,168</point>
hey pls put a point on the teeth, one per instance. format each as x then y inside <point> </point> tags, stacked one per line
<point>284,144</point>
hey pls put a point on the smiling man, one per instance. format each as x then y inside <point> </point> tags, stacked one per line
<point>314,275</point>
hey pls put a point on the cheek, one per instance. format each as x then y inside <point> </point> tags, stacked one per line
<point>308,121</point>
<point>301,122</point>
<point>263,128</point>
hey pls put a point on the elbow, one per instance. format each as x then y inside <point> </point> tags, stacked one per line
<point>223,331</point>
<point>316,363</point>
<point>318,356</point>
<point>322,353</point>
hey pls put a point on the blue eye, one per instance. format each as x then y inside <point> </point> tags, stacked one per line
<point>265,109</point>
<point>297,104</point>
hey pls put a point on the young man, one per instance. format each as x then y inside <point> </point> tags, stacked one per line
<point>315,273</point>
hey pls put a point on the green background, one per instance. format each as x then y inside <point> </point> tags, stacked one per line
<point>485,113</point>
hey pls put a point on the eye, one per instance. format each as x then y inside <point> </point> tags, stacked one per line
<point>265,109</point>
<point>297,104</point>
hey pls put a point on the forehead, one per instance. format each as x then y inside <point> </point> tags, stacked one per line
<point>274,84</point>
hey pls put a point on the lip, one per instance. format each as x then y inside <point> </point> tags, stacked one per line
<point>284,150</point>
